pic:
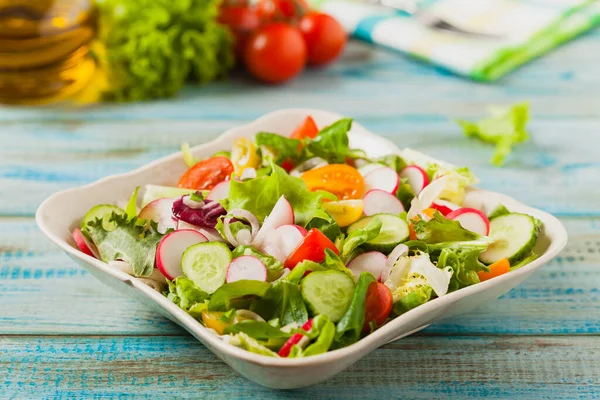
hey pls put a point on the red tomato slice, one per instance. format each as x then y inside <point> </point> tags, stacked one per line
<point>312,248</point>
<point>378,304</point>
<point>307,129</point>
<point>206,174</point>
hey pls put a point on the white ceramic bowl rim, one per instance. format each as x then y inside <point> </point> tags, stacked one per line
<point>371,340</point>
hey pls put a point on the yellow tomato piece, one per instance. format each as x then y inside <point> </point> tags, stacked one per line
<point>244,155</point>
<point>212,319</point>
<point>345,212</point>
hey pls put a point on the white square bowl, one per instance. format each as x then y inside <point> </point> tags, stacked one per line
<point>58,215</point>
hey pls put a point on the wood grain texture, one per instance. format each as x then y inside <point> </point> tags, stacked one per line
<point>44,292</point>
<point>413,368</point>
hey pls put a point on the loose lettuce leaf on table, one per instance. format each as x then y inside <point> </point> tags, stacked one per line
<point>129,241</point>
<point>504,128</point>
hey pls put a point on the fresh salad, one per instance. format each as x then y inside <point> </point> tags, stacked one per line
<point>292,246</point>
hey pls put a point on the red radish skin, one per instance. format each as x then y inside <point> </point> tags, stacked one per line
<point>383,178</point>
<point>84,244</point>
<point>471,219</point>
<point>416,176</point>
<point>161,212</point>
<point>372,261</point>
<point>171,248</point>
<point>378,201</point>
<point>219,192</point>
<point>444,207</point>
<point>246,267</point>
<point>296,339</point>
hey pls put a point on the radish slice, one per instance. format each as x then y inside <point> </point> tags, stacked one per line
<point>171,248</point>
<point>161,212</point>
<point>219,192</point>
<point>383,178</point>
<point>290,237</point>
<point>399,251</point>
<point>378,201</point>
<point>246,267</point>
<point>212,235</point>
<point>84,244</point>
<point>364,170</point>
<point>472,220</point>
<point>282,214</point>
<point>372,261</point>
<point>444,207</point>
<point>416,176</point>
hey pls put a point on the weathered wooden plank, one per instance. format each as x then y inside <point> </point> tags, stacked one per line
<point>59,297</point>
<point>412,368</point>
<point>55,156</point>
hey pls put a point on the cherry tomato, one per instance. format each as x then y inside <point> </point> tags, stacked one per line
<point>207,173</point>
<point>324,36</point>
<point>312,248</point>
<point>275,53</point>
<point>242,19</point>
<point>307,129</point>
<point>340,179</point>
<point>378,304</point>
<point>283,9</point>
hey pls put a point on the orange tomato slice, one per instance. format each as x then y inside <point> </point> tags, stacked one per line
<point>340,179</point>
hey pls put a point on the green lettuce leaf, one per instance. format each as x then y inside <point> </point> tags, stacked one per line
<point>274,266</point>
<point>231,293</point>
<point>332,142</point>
<point>284,302</point>
<point>131,209</point>
<point>440,229</point>
<point>410,296</point>
<point>302,268</point>
<point>333,261</point>
<point>498,211</point>
<point>350,326</point>
<point>258,330</point>
<point>504,128</point>
<point>243,340</point>
<point>324,331</point>
<point>185,293</point>
<point>280,147</point>
<point>404,193</point>
<point>359,237</point>
<point>259,196</point>
<point>394,161</point>
<point>129,241</point>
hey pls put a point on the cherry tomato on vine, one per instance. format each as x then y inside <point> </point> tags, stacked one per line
<point>324,36</point>
<point>275,53</point>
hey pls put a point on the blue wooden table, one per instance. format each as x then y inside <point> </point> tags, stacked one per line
<point>63,334</point>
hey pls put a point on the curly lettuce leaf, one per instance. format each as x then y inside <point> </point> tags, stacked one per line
<point>129,241</point>
<point>185,293</point>
<point>504,128</point>
<point>148,48</point>
<point>259,196</point>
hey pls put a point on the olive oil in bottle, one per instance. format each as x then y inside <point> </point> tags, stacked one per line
<point>44,49</point>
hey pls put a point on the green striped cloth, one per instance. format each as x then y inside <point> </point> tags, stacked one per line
<point>525,29</point>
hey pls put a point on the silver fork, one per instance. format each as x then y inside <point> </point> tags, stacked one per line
<point>427,18</point>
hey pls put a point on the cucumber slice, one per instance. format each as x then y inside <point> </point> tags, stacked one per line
<point>103,211</point>
<point>514,236</point>
<point>206,264</point>
<point>394,230</point>
<point>328,292</point>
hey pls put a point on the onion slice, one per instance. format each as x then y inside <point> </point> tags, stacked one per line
<point>399,251</point>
